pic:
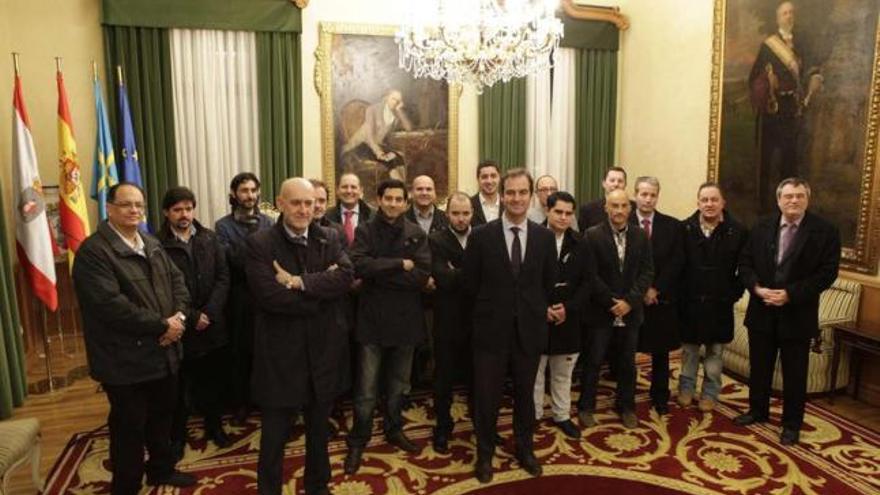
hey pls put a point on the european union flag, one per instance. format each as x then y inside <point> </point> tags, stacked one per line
<point>131,168</point>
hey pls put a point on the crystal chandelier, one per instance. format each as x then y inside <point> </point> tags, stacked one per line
<point>479,41</point>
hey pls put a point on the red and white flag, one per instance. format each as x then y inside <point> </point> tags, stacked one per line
<point>33,239</point>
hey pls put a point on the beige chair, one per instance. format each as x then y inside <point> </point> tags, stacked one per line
<point>837,304</point>
<point>19,440</point>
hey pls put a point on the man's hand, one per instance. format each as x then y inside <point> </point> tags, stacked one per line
<point>203,322</point>
<point>621,308</point>
<point>357,283</point>
<point>431,285</point>
<point>408,265</point>
<point>772,297</point>
<point>651,296</point>
<point>173,330</point>
<point>283,277</point>
<point>558,311</point>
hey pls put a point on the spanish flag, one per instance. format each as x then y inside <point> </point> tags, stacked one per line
<point>72,207</point>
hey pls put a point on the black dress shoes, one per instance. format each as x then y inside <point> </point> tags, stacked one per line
<point>789,437</point>
<point>499,440</point>
<point>219,437</point>
<point>661,408</point>
<point>567,427</point>
<point>749,418</point>
<point>176,478</point>
<point>530,464</point>
<point>483,471</point>
<point>441,442</point>
<point>353,460</point>
<point>399,440</point>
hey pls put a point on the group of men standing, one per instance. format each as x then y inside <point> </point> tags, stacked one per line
<point>509,297</point>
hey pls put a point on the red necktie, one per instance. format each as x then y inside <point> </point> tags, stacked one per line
<point>646,225</point>
<point>348,225</point>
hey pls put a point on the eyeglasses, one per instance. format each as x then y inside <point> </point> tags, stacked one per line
<point>128,205</point>
<point>547,189</point>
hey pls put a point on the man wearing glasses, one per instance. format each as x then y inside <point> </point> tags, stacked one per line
<point>133,300</point>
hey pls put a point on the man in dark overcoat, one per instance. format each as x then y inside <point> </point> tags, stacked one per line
<point>571,293</point>
<point>299,274</point>
<point>713,240</point>
<point>789,259</point>
<point>624,270</point>
<point>659,332</point>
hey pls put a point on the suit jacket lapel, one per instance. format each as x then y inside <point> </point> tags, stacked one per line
<point>611,245</point>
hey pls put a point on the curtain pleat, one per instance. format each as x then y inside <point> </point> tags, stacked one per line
<point>279,95</point>
<point>596,101</point>
<point>13,376</point>
<point>145,57</point>
<point>503,124</point>
<point>215,113</point>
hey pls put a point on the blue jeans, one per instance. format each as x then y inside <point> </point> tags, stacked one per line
<point>712,366</point>
<point>397,362</point>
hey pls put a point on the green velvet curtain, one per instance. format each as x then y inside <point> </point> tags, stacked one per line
<point>13,378</point>
<point>596,100</point>
<point>279,95</point>
<point>503,124</point>
<point>235,15</point>
<point>145,57</point>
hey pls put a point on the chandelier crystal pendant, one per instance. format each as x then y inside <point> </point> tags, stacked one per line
<point>479,42</point>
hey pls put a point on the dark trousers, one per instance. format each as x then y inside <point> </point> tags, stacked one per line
<point>626,339</point>
<point>778,142</point>
<point>453,364</point>
<point>275,431</point>
<point>140,416</point>
<point>397,363</point>
<point>241,328</point>
<point>659,377</point>
<point>490,369</point>
<point>202,382</point>
<point>795,354</point>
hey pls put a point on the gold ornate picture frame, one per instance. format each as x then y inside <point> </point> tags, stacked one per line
<point>364,127</point>
<point>825,131</point>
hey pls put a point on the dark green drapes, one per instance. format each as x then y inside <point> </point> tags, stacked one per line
<point>596,100</point>
<point>503,124</point>
<point>279,82</point>
<point>145,57</point>
<point>234,15</point>
<point>590,35</point>
<point>13,378</point>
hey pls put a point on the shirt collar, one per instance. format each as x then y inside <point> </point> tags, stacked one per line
<point>137,246</point>
<point>356,210</point>
<point>419,213</point>
<point>507,224</point>
<point>485,201</point>
<point>783,222</point>
<point>293,235</point>
<point>649,218</point>
<point>192,233</point>
<point>615,231</point>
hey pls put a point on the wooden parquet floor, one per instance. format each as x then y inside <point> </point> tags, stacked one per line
<point>82,407</point>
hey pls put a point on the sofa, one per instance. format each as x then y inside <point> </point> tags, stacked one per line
<point>837,304</point>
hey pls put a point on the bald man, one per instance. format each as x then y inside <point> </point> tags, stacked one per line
<point>422,211</point>
<point>623,270</point>
<point>299,274</point>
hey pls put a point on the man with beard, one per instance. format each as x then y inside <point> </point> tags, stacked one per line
<point>232,230</point>
<point>487,202</point>
<point>350,210</point>
<point>712,243</point>
<point>452,314</point>
<point>570,296</point>
<point>299,274</point>
<point>659,334</point>
<point>623,267</point>
<point>509,271</point>
<point>392,257</point>
<point>198,254</point>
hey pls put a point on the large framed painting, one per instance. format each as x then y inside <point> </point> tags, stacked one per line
<point>377,121</point>
<point>795,93</point>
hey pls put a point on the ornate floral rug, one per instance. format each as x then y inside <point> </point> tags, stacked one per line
<point>684,452</point>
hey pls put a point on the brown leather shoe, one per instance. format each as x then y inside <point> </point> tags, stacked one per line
<point>707,404</point>
<point>685,398</point>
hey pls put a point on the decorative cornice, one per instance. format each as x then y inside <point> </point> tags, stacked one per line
<point>594,13</point>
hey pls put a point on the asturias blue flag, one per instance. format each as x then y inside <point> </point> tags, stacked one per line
<point>104,176</point>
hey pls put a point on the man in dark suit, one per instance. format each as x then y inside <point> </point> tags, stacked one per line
<point>422,211</point>
<point>350,210</point>
<point>487,202</point>
<point>789,259</point>
<point>392,256</point>
<point>570,296</point>
<point>452,314</point>
<point>299,274</point>
<point>510,271</point>
<point>593,213</point>
<point>659,332</point>
<point>624,270</point>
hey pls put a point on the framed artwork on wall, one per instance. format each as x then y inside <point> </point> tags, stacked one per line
<point>796,92</point>
<point>377,120</point>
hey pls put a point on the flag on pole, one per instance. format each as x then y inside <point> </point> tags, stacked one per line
<point>72,206</point>
<point>33,241</point>
<point>104,176</point>
<point>131,169</point>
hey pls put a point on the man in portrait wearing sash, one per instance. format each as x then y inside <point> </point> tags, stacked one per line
<point>781,85</point>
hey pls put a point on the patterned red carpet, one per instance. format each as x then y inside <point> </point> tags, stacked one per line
<point>685,452</point>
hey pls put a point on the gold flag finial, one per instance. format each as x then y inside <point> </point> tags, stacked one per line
<point>58,64</point>
<point>15,62</point>
<point>119,74</point>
